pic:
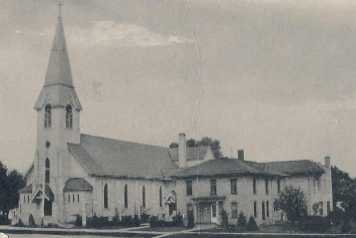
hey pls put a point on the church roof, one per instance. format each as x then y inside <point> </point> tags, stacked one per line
<point>77,185</point>
<point>116,158</point>
<point>58,89</point>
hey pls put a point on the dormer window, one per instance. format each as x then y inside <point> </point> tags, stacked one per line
<point>69,117</point>
<point>48,116</point>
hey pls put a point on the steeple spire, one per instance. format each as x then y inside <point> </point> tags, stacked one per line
<point>58,87</point>
<point>59,70</point>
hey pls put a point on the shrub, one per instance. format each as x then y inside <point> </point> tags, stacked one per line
<point>252,225</point>
<point>136,221</point>
<point>31,221</point>
<point>346,226</point>
<point>224,219</point>
<point>78,220</point>
<point>145,217</point>
<point>98,222</point>
<point>315,224</point>
<point>241,220</point>
<point>4,220</point>
<point>292,202</point>
<point>178,220</point>
<point>190,220</point>
<point>20,223</point>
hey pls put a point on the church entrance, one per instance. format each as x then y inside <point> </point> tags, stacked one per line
<point>47,207</point>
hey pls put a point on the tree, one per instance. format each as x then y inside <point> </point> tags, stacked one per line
<point>241,221</point>
<point>214,145</point>
<point>252,225</point>
<point>344,191</point>
<point>292,202</point>
<point>10,184</point>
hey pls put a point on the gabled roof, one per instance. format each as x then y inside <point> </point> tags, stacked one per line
<point>77,185</point>
<point>109,157</point>
<point>221,167</point>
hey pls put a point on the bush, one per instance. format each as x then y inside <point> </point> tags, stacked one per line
<point>190,220</point>
<point>31,221</point>
<point>20,223</point>
<point>241,220</point>
<point>224,219</point>
<point>98,222</point>
<point>4,220</point>
<point>346,226</point>
<point>252,225</point>
<point>315,224</point>
<point>78,220</point>
<point>136,221</point>
<point>178,220</point>
<point>145,217</point>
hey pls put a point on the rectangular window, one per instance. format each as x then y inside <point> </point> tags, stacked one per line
<point>68,198</point>
<point>266,186</point>
<point>255,209</point>
<point>254,185</point>
<point>328,207</point>
<point>213,208</point>
<point>213,187</point>
<point>321,209</point>
<point>78,198</point>
<point>189,184</point>
<point>233,183</point>
<point>234,210</point>
<point>267,208</point>
<point>279,185</point>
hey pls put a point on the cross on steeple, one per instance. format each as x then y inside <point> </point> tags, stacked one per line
<point>60,4</point>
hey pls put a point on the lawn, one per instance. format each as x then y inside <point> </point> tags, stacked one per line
<point>164,229</point>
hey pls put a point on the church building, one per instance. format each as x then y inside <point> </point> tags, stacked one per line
<point>78,174</point>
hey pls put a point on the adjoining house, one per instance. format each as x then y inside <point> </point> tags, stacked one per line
<point>78,174</point>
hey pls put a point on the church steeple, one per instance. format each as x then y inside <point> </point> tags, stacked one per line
<point>58,89</point>
<point>59,70</point>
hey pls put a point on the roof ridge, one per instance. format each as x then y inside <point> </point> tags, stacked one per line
<point>125,141</point>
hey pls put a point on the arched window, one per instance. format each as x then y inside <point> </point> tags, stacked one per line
<point>48,116</point>
<point>106,198</point>
<point>160,196</point>
<point>143,196</point>
<point>126,201</point>
<point>47,171</point>
<point>69,117</point>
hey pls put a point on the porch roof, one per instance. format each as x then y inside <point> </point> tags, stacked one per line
<point>208,198</point>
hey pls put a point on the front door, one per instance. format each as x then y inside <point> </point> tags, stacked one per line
<point>204,213</point>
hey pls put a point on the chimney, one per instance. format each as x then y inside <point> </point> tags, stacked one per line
<point>182,150</point>
<point>241,155</point>
<point>327,161</point>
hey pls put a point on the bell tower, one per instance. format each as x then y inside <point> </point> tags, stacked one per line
<point>58,122</point>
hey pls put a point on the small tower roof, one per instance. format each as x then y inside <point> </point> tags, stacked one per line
<point>58,89</point>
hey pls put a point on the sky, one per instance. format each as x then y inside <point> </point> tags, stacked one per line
<point>276,78</point>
